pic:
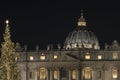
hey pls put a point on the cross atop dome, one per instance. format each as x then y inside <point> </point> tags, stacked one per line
<point>81,20</point>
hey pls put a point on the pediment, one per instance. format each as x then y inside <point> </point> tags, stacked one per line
<point>72,56</point>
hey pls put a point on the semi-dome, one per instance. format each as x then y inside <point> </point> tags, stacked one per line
<point>81,37</point>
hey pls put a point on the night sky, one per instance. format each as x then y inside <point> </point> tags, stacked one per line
<point>49,22</point>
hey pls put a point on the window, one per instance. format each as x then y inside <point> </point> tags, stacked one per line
<point>99,57</point>
<point>55,74</point>
<point>114,73</point>
<point>42,57</point>
<point>99,74</point>
<point>87,73</point>
<point>30,75</point>
<point>16,58</point>
<point>55,56</point>
<point>63,72</point>
<point>43,74</point>
<point>87,56</point>
<point>81,23</point>
<point>31,58</point>
<point>115,55</point>
<point>74,74</point>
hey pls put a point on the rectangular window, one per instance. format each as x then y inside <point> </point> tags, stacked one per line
<point>99,57</point>
<point>87,56</point>
<point>42,57</point>
<point>31,58</point>
<point>30,75</point>
<point>99,74</point>
<point>63,73</point>
<point>55,56</point>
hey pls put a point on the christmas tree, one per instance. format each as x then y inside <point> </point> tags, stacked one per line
<point>8,61</point>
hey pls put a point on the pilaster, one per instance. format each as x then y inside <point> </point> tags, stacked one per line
<point>51,74</point>
<point>70,75</point>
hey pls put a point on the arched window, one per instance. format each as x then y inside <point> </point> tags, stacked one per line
<point>55,75</point>
<point>114,73</point>
<point>42,73</point>
<point>87,73</point>
<point>74,74</point>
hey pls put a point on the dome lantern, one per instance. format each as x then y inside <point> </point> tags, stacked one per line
<point>81,20</point>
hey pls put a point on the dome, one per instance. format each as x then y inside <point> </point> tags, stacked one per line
<point>81,37</point>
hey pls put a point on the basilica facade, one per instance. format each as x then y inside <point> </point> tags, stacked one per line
<point>81,58</point>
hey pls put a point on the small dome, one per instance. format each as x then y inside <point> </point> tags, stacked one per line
<point>81,37</point>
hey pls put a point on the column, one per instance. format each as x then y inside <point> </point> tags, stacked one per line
<point>48,74</point>
<point>23,74</point>
<point>107,74</point>
<point>103,74</point>
<point>27,72</point>
<point>36,75</point>
<point>70,75</point>
<point>51,74</point>
<point>94,74</point>
<point>78,74</point>
<point>81,74</point>
<point>118,73</point>
<point>59,77</point>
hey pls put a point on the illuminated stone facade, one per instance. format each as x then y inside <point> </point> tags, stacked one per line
<point>80,59</point>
